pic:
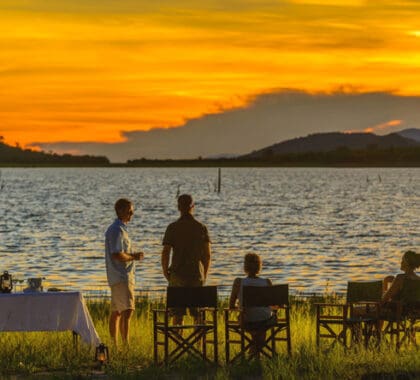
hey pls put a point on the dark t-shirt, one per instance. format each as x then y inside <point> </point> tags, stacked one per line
<point>187,237</point>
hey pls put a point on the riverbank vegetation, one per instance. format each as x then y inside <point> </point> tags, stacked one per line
<point>371,156</point>
<point>52,356</point>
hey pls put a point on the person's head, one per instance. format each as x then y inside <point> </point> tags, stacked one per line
<point>185,203</point>
<point>252,264</point>
<point>124,209</point>
<point>410,261</point>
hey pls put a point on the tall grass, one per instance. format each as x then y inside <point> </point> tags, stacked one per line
<point>52,355</point>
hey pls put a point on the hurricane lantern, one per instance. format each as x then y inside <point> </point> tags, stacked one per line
<point>101,354</point>
<point>6,283</point>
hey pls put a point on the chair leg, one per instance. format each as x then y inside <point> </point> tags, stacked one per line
<point>242,333</point>
<point>166,342</point>
<point>227,340</point>
<point>204,338</point>
<point>318,327</point>
<point>273,341</point>
<point>155,338</point>
<point>76,341</point>
<point>215,340</point>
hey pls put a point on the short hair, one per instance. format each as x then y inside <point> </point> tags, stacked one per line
<point>412,258</point>
<point>185,202</point>
<point>122,205</point>
<point>252,263</point>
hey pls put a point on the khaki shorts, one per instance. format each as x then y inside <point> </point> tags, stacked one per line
<point>122,297</point>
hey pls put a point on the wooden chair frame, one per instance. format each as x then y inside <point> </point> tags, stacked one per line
<point>360,315</point>
<point>236,334</point>
<point>193,339</point>
<point>402,321</point>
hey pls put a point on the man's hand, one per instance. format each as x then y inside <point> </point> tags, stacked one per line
<point>166,251</point>
<point>138,256</point>
<point>166,274</point>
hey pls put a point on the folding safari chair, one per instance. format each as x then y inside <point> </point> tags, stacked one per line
<point>194,339</point>
<point>359,315</point>
<point>401,319</point>
<point>236,333</point>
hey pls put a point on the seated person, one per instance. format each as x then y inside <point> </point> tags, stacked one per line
<point>256,319</point>
<point>409,263</point>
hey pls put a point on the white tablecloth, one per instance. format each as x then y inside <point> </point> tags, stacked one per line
<point>50,311</point>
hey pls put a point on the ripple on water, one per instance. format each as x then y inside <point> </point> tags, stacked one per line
<point>314,228</point>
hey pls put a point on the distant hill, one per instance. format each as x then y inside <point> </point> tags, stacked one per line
<point>326,142</point>
<point>412,133</point>
<point>10,155</point>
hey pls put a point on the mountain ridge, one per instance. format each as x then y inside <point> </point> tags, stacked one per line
<point>329,141</point>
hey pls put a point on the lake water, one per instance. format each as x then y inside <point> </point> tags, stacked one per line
<point>315,228</point>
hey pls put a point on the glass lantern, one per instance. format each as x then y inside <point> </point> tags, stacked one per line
<point>6,282</point>
<point>101,354</point>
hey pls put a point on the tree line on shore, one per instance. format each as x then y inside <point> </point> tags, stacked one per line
<point>341,156</point>
<point>16,156</point>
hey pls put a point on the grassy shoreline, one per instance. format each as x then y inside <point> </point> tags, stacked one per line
<point>51,355</point>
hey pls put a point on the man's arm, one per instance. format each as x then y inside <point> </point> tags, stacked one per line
<point>206,258</point>
<point>166,251</point>
<point>124,256</point>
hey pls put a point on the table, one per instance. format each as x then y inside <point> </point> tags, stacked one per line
<point>50,311</point>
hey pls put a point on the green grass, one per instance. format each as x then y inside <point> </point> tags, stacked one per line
<point>51,355</point>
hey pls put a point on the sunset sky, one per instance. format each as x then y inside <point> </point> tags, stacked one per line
<point>99,71</point>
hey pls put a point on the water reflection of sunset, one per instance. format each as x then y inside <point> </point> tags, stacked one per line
<point>77,71</point>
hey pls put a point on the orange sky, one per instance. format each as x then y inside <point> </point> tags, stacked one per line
<point>77,70</point>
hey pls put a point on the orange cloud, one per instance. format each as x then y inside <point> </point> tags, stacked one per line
<point>85,71</point>
<point>387,127</point>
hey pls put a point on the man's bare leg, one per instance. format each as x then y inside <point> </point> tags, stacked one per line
<point>114,320</point>
<point>125,325</point>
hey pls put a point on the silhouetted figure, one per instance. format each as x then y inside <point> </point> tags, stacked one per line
<point>189,241</point>
<point>257,319</point>
<point>120,269</point>
<point>409,263</point>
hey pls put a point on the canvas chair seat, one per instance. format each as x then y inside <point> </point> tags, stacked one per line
<point>402,318</point>
<point>358,317</point>
<point>195,339</point>
<point>237,331</point>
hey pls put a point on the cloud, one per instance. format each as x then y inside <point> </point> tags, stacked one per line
<point>267,119</point>
<point>383,128</point>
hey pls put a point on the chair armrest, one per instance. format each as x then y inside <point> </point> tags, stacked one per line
<point>373,303</point>
<point>330,305</point>
<point>159,310</point>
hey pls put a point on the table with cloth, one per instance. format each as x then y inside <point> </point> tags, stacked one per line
<point>50,311</point>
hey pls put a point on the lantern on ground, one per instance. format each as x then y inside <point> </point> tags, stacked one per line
<point>101,354</point>
<point>6,283</point>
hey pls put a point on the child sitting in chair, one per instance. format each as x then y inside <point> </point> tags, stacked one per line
<point>256,319</point>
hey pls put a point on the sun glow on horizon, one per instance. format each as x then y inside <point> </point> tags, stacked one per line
<point>76,71</point>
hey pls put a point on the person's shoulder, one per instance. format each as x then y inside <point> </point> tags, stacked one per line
<point>200,224</point>
<point>237,281</point>
<point>114,226</point>
<point>400,277</point>
<point>173,224</point>
<point>269,282</point>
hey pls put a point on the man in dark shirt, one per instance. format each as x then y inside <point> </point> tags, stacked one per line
<point>190,244</point>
